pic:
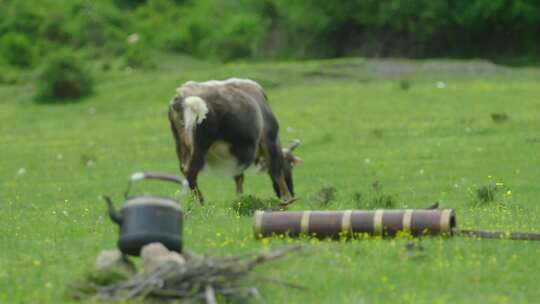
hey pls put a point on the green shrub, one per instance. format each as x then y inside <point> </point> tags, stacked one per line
<point>17,50</point>
<point>8,75</point>
<point>405,84</point>
<point>98,25</point>
<point>189,39</point>
<point>138,3</point>
<point>137,56</point>
<point>129,3</point>
<point>22,17</point>
<point>64,77</point>
<point>54,30</point>
<point>239,37</point>
<point>246,205</point>
<point>226,30</point>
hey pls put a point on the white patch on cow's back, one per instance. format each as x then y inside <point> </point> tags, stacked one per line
<point>184,89</point>
<point>220,161</point>
<point>195,110</point>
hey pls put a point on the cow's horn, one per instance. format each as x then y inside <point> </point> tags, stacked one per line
<point>294,144</point>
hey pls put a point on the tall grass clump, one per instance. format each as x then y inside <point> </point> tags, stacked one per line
<point>376,198</point>
<point>490,193</point>
<point>246,205</point>
<point>325,196</point>
<point>63,78</point>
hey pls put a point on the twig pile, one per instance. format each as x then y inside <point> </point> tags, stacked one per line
<point>201,279</point>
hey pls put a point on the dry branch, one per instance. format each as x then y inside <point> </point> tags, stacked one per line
<point>202,279</point>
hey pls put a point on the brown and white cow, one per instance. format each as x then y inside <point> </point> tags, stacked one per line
<point>227,126</point>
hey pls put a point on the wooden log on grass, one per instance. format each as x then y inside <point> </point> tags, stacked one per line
<point>348,223</point>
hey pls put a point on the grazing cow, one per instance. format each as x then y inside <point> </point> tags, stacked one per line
<point>227,126</point>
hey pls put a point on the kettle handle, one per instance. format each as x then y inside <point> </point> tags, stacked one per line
<point>138,176</point>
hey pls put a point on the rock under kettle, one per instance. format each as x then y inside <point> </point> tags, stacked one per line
<point>154,255</point>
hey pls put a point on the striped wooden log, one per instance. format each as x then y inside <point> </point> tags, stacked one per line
<point>334,224</point>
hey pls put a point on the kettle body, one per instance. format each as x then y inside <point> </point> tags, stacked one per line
<point>147,219</point>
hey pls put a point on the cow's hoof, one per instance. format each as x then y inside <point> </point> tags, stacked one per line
<point>288,201</point>
<point>197,196</point>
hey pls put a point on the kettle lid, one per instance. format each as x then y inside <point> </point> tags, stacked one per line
<point>148,200</point>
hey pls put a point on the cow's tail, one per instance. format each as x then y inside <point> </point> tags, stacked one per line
<point>195,110</point>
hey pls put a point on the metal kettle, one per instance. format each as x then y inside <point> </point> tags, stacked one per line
<point>146,219</point>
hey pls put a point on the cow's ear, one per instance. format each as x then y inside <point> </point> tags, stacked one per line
<point>291,158</point>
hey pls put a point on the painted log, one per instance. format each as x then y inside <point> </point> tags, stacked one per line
<point>334,224</point>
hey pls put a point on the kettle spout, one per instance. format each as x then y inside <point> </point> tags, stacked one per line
<point>113,214</point>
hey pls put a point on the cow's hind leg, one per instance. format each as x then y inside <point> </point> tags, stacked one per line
<point>195,166</point>
<point>245,156</point>
<point>239,180</point>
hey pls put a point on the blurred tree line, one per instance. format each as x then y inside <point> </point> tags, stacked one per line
<point>131,30</point>
<point>232,29</point>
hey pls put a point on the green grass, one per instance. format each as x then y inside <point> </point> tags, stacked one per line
<point>430,145</point>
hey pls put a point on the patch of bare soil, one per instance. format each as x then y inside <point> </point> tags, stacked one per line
<point>388,68</point>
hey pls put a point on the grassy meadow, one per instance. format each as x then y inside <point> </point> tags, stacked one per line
<point>421,130</point>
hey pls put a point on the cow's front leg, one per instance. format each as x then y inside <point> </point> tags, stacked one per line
<point>275,170</point>
<point>239,180</point>
<point>285,194</point>
<point>195,166</point>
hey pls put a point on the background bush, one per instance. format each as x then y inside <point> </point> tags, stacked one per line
<point>137,56</point>
<point>17,50</point>
<point>63,78</point>
<point>239,37</point>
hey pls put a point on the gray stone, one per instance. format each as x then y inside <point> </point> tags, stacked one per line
<point>108,259</point>
<point>154,255</point>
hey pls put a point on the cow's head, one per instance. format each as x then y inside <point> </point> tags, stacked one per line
<point>290,160</point>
